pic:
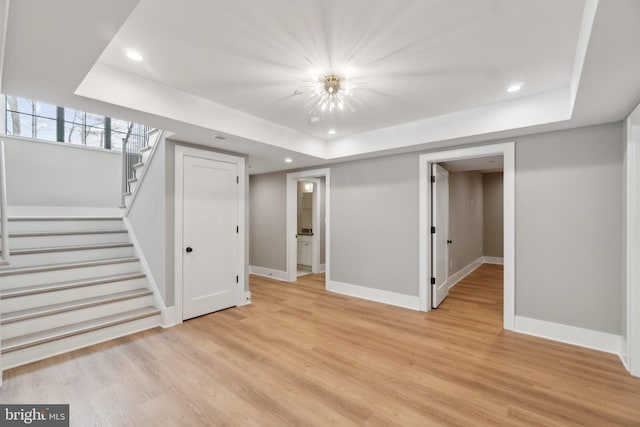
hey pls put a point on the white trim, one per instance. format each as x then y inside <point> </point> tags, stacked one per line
<point>596,340</point>
<point>292,223</point>
<point>492,260</point>
<point>247,298</point>
<point>632,273</point>
<point>157,298</point>
<point>180,152</point>
<point>268,272</point>
<point>62,144</point>
<point>507,150</point>
<point>377,295</point>
<point>170,317</point>
<point>464,272</point>
<point>624,358</point>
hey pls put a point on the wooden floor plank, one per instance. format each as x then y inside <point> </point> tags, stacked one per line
<point>299,355</point>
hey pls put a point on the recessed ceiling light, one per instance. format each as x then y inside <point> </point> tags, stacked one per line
<point>288,160</point>
<point>332,132</point>
<point>514,87</point>
<point>219,137</point>
<point>134,55</point>
<point>314,119</point>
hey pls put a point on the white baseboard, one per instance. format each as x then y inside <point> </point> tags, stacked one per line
<point>596,340</point>
<point>268,272</point>
<point>169,317</point>
<point>246,300</point>
<point>464,272</point>
<point>63,211</point>
<point>378,295</point>
<point>323,268</point>
<point>492,260</point>
<point>624,348</point>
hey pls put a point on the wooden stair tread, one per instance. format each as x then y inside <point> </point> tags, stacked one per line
<point>64,233</point>
<point>47,310</point>
<point>69,248</point>
<point>64,218</point>
<point>42,337</point>
<point>52,287</point>
<point>67,265</point>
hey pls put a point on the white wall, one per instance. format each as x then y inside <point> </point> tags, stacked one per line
<point>147,217</point>
<point>43,173</point>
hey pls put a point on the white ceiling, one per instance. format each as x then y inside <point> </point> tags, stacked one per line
<point>433,73</point>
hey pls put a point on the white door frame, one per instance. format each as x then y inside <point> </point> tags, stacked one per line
<point>180,152</point>
<point>507,150</point>
<point>292,221</point>
<point>632,273</point>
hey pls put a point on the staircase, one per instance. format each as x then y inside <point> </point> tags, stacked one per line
<point>72,282</point>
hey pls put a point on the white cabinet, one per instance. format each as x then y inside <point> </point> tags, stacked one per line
<point>305,250</point>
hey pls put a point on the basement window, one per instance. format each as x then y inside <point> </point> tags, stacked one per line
<point>38,120</point>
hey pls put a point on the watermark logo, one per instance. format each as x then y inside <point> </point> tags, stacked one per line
<point>34,415</point>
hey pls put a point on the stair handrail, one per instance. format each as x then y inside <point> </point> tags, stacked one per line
<point>3,207</point>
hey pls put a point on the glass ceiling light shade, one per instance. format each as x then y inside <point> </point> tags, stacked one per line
<point>330,94</point>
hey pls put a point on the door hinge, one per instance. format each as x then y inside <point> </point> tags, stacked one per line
<point>237,229</point>
<point>237,180</point>
<point>433,178</point>
<point>433,230</point>
<point>433,280</point>
<point>237,279</point>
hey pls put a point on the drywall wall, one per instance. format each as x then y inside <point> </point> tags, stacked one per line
<point>374,223</point>
<point>465,219</point>
<point>267,221</point>
<point>492,215</point>
<point>147,218</point>
<point>56,174</point>
<point>568,232</point>
<point>323,219</point>
<point>568,227</point>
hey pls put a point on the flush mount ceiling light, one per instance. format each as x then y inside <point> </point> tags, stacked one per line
<point>133,55</point>
<point>514,87</point>
<point>330,93</point>
<point>332,132</point>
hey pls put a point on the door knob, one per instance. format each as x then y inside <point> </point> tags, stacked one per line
<point>189,249</point>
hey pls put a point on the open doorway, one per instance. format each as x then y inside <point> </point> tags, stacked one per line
<point>467,220</point>
<point>308,223</point>
<point>425,273</point>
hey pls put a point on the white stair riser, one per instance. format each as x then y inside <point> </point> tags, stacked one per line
<point>145,156</point>
<point>29,326</point>
<point>70,225</point>
<point>57,297</point>
<point>39,352</point>
<point>32,260</point>
<point>70,240</point>
<point>138,171</point>
<point>55,276</point>
<point>132,186</point>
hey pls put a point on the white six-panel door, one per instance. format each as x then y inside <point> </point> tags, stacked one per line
<point>210,236</point>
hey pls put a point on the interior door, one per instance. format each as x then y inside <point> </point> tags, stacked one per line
<point>210,236</point>
<point>439,247</point>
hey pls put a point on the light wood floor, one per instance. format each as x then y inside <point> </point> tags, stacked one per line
<point>301,356</point>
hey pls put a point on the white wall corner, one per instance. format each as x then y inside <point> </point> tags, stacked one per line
<point>464,272</point>
<point>323,268</point>
<point>268,272</point>
<point>596,340</point>
<point>392,298</point>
